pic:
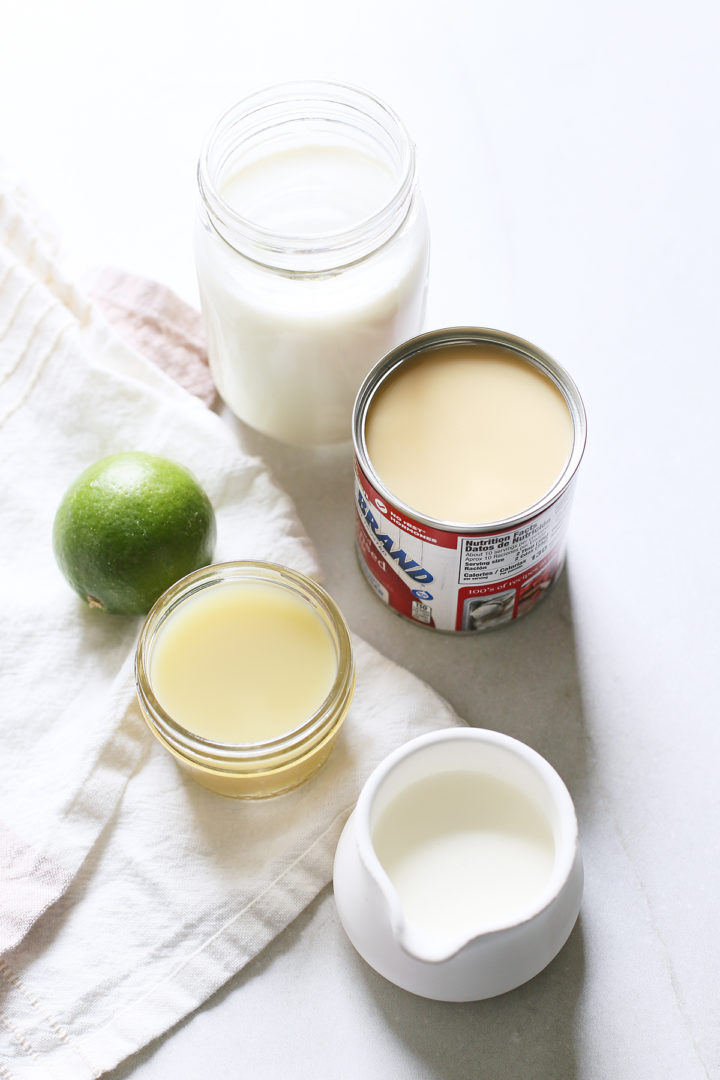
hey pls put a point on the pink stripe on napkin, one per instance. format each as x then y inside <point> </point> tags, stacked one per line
<point>157,324</point>
<point>30,884</point>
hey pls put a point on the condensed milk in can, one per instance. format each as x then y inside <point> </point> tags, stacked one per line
<point>467,444</point>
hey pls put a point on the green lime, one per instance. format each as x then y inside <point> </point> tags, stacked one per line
<point>130,526</point>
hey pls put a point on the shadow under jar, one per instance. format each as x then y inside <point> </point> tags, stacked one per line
<point>311,252</point>
<point>245,673</point>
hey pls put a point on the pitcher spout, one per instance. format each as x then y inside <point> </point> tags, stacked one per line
<point>427,948</point>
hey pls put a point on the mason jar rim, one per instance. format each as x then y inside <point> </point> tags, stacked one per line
<point>286,747</point>
<point>297,103</point>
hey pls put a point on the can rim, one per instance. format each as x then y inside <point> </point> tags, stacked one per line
<point>471,335</point>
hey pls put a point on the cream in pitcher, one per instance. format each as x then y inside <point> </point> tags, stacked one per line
<point>458,875</point>
<point>460,852</point>
<point>311,253</point>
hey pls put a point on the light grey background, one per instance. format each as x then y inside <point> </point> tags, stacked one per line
<point>569,159</point>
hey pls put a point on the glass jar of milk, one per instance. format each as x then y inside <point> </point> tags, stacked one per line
<point>312,254</point>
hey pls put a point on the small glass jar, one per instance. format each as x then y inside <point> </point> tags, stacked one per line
<point>267,766</point>
<point>312,253</point>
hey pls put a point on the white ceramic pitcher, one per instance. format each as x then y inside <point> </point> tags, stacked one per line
<point>439,955</point>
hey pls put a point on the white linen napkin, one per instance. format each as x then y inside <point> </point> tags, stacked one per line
<point>128,894</point>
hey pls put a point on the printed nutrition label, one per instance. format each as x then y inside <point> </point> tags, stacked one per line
<point>490,558</point>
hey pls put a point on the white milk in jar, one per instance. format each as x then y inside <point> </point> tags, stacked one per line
<point>311,252</point>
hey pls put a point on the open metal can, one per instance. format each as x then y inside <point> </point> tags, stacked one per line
<point>433,561</point>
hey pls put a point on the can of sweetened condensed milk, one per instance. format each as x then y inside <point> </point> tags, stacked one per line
<point>467,443</point>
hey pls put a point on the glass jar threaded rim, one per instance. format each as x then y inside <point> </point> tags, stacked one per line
<point>287,114</point>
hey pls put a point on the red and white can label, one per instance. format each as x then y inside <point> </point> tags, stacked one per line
<point>458,580</point>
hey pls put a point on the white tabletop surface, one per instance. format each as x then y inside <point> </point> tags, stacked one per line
<point>570,161</point>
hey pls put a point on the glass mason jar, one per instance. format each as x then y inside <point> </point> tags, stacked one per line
<point>262,766</point>
<point>312,252</point>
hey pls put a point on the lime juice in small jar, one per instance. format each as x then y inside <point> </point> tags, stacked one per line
<point>245,674</point>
